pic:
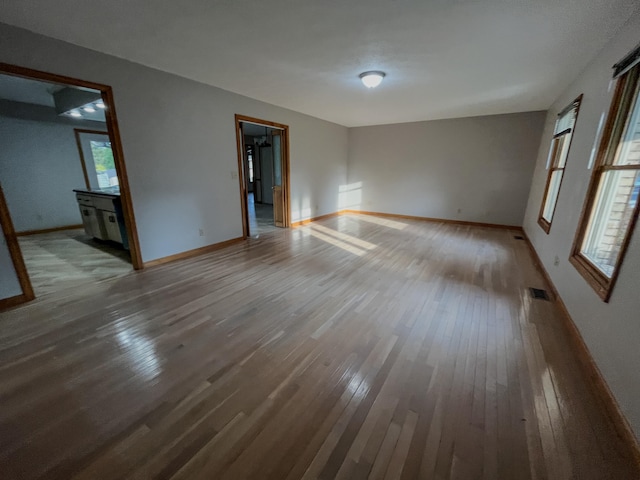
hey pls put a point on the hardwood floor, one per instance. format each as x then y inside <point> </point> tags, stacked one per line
<point>67,259</point>
<point>357,347</point>
<point>260,217</point>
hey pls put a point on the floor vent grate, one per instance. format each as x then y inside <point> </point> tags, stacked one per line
<point>518,237</point>
<point>539,293</point>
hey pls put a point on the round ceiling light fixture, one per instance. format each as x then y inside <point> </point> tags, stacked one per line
<point>372,79</point>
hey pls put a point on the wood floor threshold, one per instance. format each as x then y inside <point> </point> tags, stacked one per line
<point>601,388</point>
<point>48,230</point>
<point>193,253</point>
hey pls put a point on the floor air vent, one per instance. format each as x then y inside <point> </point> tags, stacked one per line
<point>518,237</point>
<point>538,293</point>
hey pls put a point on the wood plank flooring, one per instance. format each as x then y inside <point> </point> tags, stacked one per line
<point>67,259</point>
<point>353,348</point>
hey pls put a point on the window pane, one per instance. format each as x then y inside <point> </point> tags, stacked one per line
<point>104,163</point>
<point>568,120</point>
<point>630,144</point>
<point>552,195</point>
<point>564,150</point>
<point>612,211</point>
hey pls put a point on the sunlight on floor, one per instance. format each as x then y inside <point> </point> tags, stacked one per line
<point>344,236</point>
<point>385,222</point>
<point>338,243</point>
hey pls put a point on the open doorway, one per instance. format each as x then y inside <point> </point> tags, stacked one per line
<point>263,163</point>
<point>67,217</point>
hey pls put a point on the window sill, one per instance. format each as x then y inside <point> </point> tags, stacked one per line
<point>594,277</point>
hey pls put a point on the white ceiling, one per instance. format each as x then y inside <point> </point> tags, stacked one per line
<point>443,58</point>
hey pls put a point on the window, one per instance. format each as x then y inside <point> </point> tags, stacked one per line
<point>557,160</point>
<point>96,157</point>
<point>611,208</point>
<point>104,164</point>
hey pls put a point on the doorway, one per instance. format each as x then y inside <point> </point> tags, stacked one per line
<point>263,165</point>
<point>66,211</point>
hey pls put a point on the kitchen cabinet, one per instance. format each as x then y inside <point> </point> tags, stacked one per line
<point>102,215</point>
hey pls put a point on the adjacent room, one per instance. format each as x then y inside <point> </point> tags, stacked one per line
<point>60,184</point>
<point>274,240</point>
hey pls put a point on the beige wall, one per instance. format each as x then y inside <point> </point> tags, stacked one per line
<point>610,330</point>
<point>473,169</point>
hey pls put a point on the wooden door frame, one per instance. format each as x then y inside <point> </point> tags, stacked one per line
<point>16,257</point>
<point>286,177</point>
<point>118,155</point>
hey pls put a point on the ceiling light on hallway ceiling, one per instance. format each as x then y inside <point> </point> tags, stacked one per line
<point>75,113</point>
<point>372,79</point>
<point>100,104</point>
<point>89,109</point>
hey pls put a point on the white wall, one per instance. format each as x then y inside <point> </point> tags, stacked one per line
<point>473,169</point>
<point>180,146</point>
<point>610,330</point>
<point>39,168</point>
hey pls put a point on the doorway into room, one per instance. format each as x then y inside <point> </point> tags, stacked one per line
<point>263,164</point>
<point>65,206</point>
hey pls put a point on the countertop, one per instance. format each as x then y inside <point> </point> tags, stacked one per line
<point>107,192</point>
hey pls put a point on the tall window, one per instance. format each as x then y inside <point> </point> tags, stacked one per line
<point>557,160</point>
<point>611,208</point>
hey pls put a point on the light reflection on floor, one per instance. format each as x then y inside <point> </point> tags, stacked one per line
<point>385,222</point>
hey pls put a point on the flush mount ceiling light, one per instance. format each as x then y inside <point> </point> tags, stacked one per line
<point>372,79</point>
<point>100,105</point>
<point>89,109</point>
<point>75,113</point>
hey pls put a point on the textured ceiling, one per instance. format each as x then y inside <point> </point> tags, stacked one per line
<point>443,58</point>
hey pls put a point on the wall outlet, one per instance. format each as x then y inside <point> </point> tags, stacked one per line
<point>459,210</point>
<point>201,232</point>
<point>556,261</point>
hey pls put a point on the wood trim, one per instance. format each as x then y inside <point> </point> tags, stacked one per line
<point>48,77</point>
<point>600,387</point>
<point>260,121</point>
<point>592,276</point>
<point>194,253</point>
<point>315,219</point>
<point>48,230</point>
<point>14,251</point>
<point>286,167</point>
<point>286,177</point>
<point>76,133</point>
<point>10,302</point>
<point>607,168</point>
<point>116,145</point>
<point>241,178</point>
<point>123,179</point>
